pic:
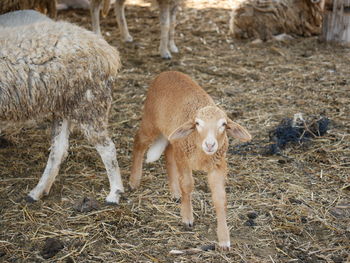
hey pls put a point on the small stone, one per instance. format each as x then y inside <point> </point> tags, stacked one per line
<point>86,204</point>
<point>250,222</point>
<point>252,215</point>
<point>208,247</point>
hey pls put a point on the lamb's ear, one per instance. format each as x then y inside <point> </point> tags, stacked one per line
<point>237,131</point>
<point>183,131</point>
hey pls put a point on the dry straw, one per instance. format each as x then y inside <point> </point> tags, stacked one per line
<point>292,207</point>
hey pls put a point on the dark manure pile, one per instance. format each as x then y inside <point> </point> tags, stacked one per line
<point>288,207</point>
<point>296,131</point>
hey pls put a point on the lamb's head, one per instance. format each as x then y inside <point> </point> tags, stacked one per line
<point>211,125</point>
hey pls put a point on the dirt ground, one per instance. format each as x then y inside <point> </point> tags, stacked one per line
<point>291,207</point>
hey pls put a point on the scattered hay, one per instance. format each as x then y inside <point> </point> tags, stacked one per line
<point>294,195</point>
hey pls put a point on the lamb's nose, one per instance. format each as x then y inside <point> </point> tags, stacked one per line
<point>210,146</point>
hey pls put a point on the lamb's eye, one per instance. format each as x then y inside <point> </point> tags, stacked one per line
<point>197,123</point>
<point>224,124</point>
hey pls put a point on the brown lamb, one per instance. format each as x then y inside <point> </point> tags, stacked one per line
<point>182,119</point>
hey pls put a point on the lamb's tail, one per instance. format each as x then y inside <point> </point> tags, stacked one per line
<point>157,148</point>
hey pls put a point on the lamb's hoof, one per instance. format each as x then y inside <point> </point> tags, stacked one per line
<point>188,226</point>
<point>133,186</point>
<point>225,246</point>
<point>30,199</point>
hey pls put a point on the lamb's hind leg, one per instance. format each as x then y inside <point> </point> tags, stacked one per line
<point>59,147</point>
<point>142,140</point>
<point>106,149</point>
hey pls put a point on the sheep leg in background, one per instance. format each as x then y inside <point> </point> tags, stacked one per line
<point>95,6</point>
<point>173,172</point>
<point>106,149</point>
<point>187,186</point>
<point>172,45</point>
<point>164,18</point>
<point>58,153</point>
<point>119,10</point>
<point>216,179</point>
<point>141,142</point>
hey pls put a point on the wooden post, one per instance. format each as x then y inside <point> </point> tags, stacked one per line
<point>336,22</point>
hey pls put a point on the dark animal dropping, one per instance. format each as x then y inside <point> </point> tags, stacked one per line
<point>51,248</point>
<point>296,131</point>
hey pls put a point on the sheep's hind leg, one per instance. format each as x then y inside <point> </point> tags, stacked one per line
<point>58,153</point>
<point>106,149</point>
<point>120,15</point>
<point>172,45</point>
<point>95,6</point>
<point>164,29</point>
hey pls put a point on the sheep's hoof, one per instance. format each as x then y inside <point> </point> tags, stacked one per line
<point>111,203</point>
<point>128,39</point>
<point>113,198</point>
<point>29,199</point>
<point>174,49</point>
<point>165,55</point>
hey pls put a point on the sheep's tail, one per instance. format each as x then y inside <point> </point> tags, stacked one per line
<point>157,148</point>
<point>105,7</point>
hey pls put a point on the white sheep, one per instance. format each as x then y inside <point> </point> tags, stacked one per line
<point>168,9</point>
<point>182,119</point>
<point>59,70</point>
<point>22,17</point>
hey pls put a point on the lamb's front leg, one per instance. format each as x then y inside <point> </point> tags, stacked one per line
<point>186,186</point>
<point>216,179</point>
